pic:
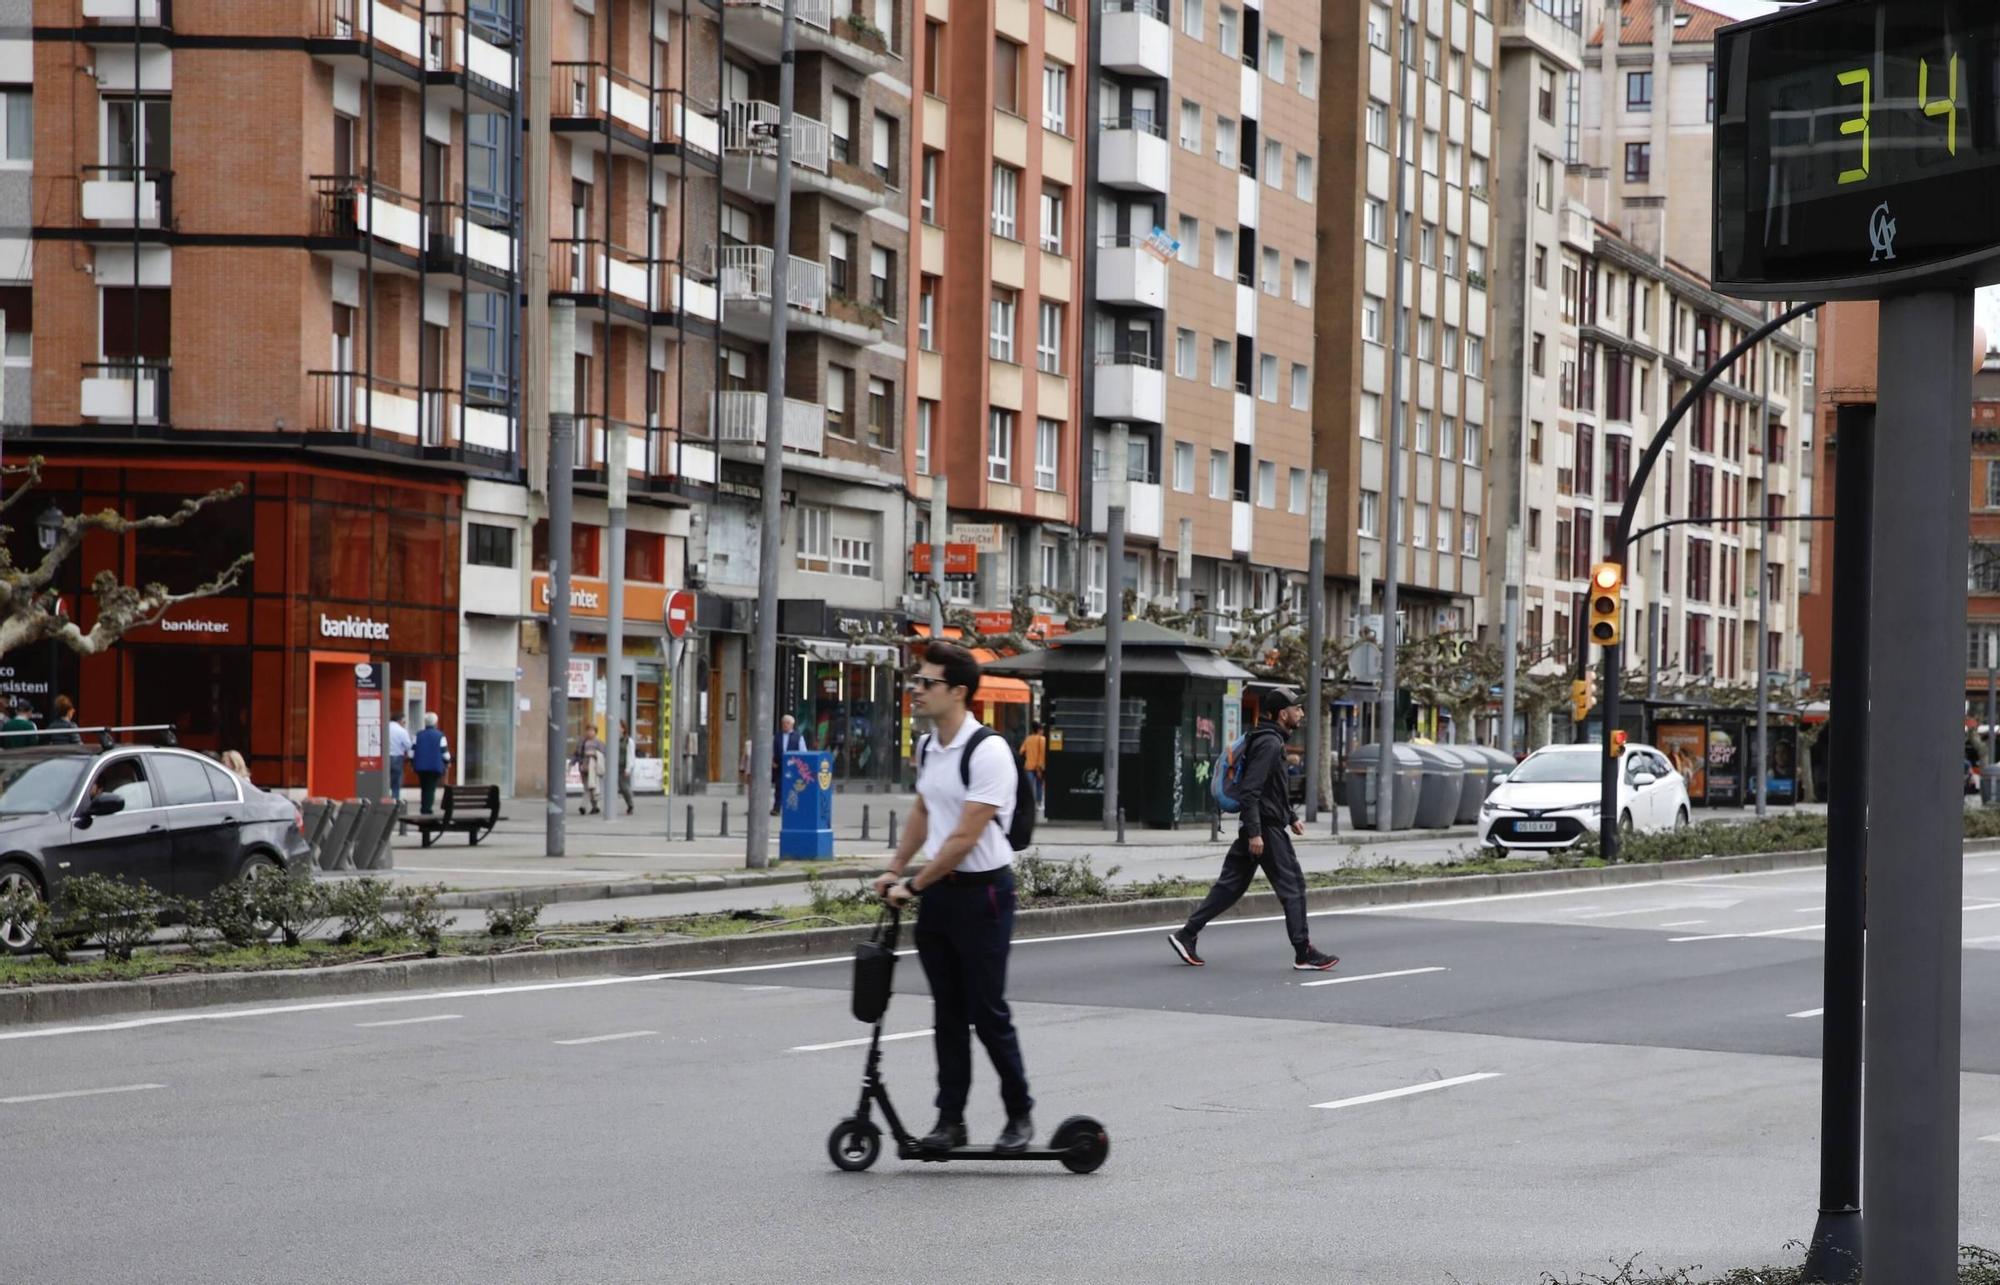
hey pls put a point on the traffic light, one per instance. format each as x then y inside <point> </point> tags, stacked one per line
<point>1617,744</point>
<point>1607,603</point>
<point>1596,688</point>
<point>1580,701</point>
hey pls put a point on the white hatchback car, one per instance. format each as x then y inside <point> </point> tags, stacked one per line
<point>1552,799</point>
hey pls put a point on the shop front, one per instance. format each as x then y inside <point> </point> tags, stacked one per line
<point>643,694</point>
<point>843,683</point>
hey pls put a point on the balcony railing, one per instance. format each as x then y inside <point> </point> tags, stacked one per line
<point>594,267</point>
<point>1139,124</point>
<point>591,91</point>
<point>386,25</point>
<point>1144,8</point>
<point>347,205</point>
<point>348,401</point>
<point>121,390</point>
<point>746,275</point>
<point>742,422</point>
<point>121,13</point>
<point>482,238</point>
<point>817,14</point>
<point>461,46</point>
<point>111,195</point>
<point>750,128</point>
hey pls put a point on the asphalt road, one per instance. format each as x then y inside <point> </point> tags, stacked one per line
<point>1489,1090</point>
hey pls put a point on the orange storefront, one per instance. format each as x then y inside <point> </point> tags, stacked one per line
<point>348,569</point>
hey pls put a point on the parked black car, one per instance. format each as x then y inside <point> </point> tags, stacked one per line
<point>170,818</point>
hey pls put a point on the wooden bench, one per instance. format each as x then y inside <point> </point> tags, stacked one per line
<point>472,810</point>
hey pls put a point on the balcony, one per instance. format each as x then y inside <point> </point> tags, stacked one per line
<point>609,280</point>
<point>348,403</point>
<point>742,417</point>
<point>598,106</point>
<point>1143,511</point>
<point>850,39</point>
<point>750,134</point>
<point>121,13</point>
<point>1130,386</point>
<point>357,218</point>
<point>1553,28</point>
<point>389,35</point>
<point>1239,526</point>
<point>1137,40</point>
<point>126,390</point>
<point>1132,153</point>
<point>746,278</point>
<point>459,51</point>
<point>113,196</point>
<point>481,245</point>
<point>1129,272</point>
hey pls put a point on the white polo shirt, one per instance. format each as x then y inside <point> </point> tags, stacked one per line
<point>993,781</point>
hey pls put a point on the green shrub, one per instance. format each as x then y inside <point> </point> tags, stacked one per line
<point>1976,1266</point>
<point>119,915</point>
<point>1041,879</point>
<point>827,900</point>
<point>231,913</point>
<point>362,907</point>
<point>423,917</point>
<point>50,929</point>
<point>516,917</point>
<point>291,903</point>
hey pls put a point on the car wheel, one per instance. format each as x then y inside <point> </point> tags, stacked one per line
<point>260,867</point>
<point>16,880</point>
<point>1625,824</point>
<point>1681,819</point>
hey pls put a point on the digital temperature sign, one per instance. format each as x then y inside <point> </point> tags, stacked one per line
<point>1857,149</point>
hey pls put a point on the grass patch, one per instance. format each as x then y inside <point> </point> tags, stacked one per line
<point>1976,1266</point>
<point>219,957</point>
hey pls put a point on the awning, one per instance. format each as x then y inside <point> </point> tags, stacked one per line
<point>838,653</point>
<point>996,689</point>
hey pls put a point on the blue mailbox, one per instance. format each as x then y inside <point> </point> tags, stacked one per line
<point>805,789</point>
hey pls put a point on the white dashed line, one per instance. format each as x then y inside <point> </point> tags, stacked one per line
<point>1376,977</point>
<point>413,1021</point>
<point>1810,1012</point>
<point>605,1039</point>
<point>1768,932</point>
<point>848,1044</point>
<point>1432,1087</point>
<point>77,1093</point>
<point>1684,923</point>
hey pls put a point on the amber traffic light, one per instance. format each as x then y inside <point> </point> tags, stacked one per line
<point>1579,700</point>
<point>1607,603</point>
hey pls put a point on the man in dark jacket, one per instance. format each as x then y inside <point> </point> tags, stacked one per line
<point>1261,841</point>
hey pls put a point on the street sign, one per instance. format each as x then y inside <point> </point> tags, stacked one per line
<point>987,537</point>
<point>961,561</point>
<point>680,613</point>
<point>1855,149</point>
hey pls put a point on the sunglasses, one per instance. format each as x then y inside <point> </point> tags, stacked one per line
<point>924,682</point>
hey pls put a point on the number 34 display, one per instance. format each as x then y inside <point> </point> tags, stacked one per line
<point>1946,106</point>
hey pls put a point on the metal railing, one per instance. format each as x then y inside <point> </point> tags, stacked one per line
<point>1138,124</point>
<point>383,23</point>
<point>116,210</point>
<point>750,127</point>
<point>741,421</point>
<point>349,205</point>
<point>145,398</point>
<point>1129,357</point>
<point>348,401</point>
<point>1144,8</point>
<point>746,274</point>
<point>817,14</point>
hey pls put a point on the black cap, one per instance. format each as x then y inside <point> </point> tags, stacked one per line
<point>1277,699</point>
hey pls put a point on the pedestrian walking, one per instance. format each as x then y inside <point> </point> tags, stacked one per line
<point>400,743</point>
<point>788,741</point>
<point>965,893</point>
<point>65,720</point>
<point>1035,761</point>
<point>234,762</point>
<point>12,731</point>
<point>589,760</point>
<point>430,756</point>
<point>1261,840</point>
<point>627,747</point>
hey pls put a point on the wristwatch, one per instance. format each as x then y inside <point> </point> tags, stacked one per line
<point>910,885</point>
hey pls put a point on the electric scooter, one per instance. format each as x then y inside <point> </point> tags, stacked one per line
<point>1079,1143</point>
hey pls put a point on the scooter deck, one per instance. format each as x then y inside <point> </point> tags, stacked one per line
<point>914,1152</point>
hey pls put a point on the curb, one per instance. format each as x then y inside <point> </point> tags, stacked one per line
<point>551,893</point>
<point>86,1000</point>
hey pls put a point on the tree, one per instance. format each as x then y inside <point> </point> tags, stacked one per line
<point>31,608</point>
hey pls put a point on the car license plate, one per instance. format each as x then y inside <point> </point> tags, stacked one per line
<point>1535,827</point>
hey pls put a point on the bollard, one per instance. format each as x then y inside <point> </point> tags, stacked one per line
<point>1121,825</point>
<point>690,823</point>
<point>864,823</point>
<point>725,818</point>
<point>1215,827</point>
<point>892,829</point>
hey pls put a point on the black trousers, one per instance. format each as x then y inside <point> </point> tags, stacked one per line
<point>963,934</point>
<point>1280,865</point>
<point>428,781</point>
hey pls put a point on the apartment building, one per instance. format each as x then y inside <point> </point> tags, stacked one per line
<point>997,405</point>
<point>1415,89</point>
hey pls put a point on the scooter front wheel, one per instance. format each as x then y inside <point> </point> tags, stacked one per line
<point>854,1144</point>
<point>1082,1143</point>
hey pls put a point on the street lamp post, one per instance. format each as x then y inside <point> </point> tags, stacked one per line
<point>48,530</point>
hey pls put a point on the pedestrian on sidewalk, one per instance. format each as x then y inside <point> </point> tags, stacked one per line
<point>965,922</point>
<point>1262,841</point>
<point>589,760</point>
<point>627,747</point>
<point>788,741</point>
<point>18,722</point>
<point>400,743</point>
<point>430,756</point>
<point>1035,761</point>
<point>65,720</point>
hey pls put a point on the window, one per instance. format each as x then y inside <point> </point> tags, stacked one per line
<point>1055,98</point>
<point>882,280</point>
<point>1447,438</point>
<point>1274,57</point>
<point>1468,541</point>
<point>1267,377</point>
<point>1296,502</point>
<point>1538,354</point>
<point>17,103</point>
<point>1218,475</point>
<point>1481,95</point>
<point>927,290</point>
<point>1545,93</point>
<point>1049,339</point>
<point>1638,91</point>
<point>999,445</point>
<point>1308,73</point>
<point>1051,565</point>
<point>1638,162</point>
<point>1193,21</point>
<point>1221,370</point>
<point>1451,254</point>
<point>1048,454</point>
<point>489,546</point>
<point>1449,356</point>
<point>841,126</point>
<point>1371,512</point>
<point>1190,125</point>
<point>853,556</point>
<point>1431,152</point>
<point>1000,323</point>
<point>1225,31</point>
<point>1272,283</point>
<point>1545,183</point>
<point>1301,386</point>
<point>926,431</point>
<point>934,51</point>
<point>1371,416</point>
<point>1433,59</point>
<point>839,266</point>
<point>1225,254</point>
<point>1007,76</point>
<point>1184,467</point>
<point>1302,282</point>
<point>1423,443</point>
<point>838,380</point>
<point>1225,142</point>
<point>1427,245</point>
<point>1055,213</point>
<point>1274,164</point>
<point>881,414</point>
<point>1378,26</point>
<point>1426,339</point>
<point>1190,239</point>
<point>1472,455</point>
<point>1375,221</point>
<point>1993,484</point>
<point>811,541</point>
<point>1267,485</point>
<point>1376,122</point>
<point>1371,319</point>
<point>1184,353</point>
<point>1006,194</point>
<point>927,200</point>
<point>1302,177</point>
<point>1541,267</point>
<point>1475,356</point>
<point>882,148</point>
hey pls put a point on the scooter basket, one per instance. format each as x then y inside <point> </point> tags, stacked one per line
<point>874,972</point>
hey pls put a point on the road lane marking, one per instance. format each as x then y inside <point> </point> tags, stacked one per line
<point>754,990</point>
<point>78,1093</point>
<point>1982,941</point>
<point>413,1021</point>
<point>1576,909</point>
<point>605,1039</point>
<point>1684,923</point>
<point>1991,1137</point>
<point>1810,910</point>
<point>1810,1012</point>
<point>1431,1087</point>
<point>848,1044</point>
<point>1768,932</point>
<point>1375,977</point>
<point>1646,910</point>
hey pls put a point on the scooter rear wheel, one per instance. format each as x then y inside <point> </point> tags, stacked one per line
<point>1083,1143</point>
<point>854,1144</point>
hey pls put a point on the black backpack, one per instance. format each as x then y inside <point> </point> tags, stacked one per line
<point>1022,832</point>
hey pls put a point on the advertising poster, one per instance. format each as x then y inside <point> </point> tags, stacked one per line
<point>1782,767</point>
<point>1725,765</point>
<point>1686,746</point>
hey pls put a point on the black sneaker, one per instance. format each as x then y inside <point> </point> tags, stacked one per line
<point>946,1135</point>
<point>1314,962</point>
<point>1020,1131</point>
<point>1184,947</point>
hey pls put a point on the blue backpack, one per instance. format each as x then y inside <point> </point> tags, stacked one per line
<point>1228,775</point>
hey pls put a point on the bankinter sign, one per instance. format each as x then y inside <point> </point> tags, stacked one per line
<point>360,628</point>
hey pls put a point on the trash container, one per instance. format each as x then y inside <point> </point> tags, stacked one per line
<point>1499,764</point>
<point>1443,782</point>
<point>1360,786</point>
<point>806,793</point>
<point>1478,770</point>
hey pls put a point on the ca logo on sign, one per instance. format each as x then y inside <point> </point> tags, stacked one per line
<point>1881,233</point>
